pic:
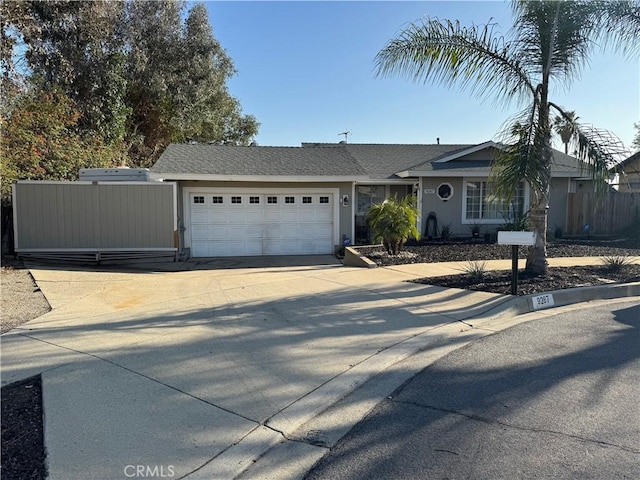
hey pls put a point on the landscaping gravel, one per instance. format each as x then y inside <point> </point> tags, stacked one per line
<point>22,300</point>
<point>500,281</point>
<point>464,251</point>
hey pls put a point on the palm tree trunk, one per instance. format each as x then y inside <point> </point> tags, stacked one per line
<point>537,255</point>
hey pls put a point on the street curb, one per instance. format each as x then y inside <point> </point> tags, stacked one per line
<point>321,418</point>
<point>570,296</point>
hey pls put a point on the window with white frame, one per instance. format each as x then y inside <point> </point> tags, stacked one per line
<point>369,195</point>
<point>480,203</point>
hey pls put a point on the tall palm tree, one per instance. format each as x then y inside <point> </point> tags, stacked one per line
<point>549,41</point>
<point>565,127</point>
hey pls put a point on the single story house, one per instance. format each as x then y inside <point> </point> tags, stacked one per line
<point>629,176</point>
<point>312,199</point>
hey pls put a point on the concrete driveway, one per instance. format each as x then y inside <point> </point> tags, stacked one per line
<point>196,370</point>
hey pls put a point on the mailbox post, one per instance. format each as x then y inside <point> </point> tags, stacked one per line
<point>515,239</point>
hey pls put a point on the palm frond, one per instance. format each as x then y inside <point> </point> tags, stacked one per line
<point>553,36</point>
<point>474,58</point>
<point>525,157</point>
<point>618,25</point>
<point>600,152</point>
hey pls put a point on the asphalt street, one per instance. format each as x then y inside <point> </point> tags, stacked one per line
<point>553,398</point>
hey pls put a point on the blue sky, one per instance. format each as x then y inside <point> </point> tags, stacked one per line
<point>306,71</point>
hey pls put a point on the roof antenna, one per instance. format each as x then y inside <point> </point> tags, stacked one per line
<point>346,134</point>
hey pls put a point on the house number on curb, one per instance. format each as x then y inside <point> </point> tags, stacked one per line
<point>542,301</point>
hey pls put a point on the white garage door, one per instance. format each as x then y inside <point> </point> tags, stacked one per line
<point>245,224</point>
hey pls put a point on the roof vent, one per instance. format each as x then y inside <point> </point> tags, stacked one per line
<point>253,144</point>
<point>438,140</point>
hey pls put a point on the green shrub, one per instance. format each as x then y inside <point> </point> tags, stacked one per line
<point>476,270</point>
<point>519,224</point>
<point>445,233</point>
<point>616,263</point>
<point>393,222</point>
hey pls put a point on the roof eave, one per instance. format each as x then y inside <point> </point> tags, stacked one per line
<point>451,173</point>
<point>484,171</point>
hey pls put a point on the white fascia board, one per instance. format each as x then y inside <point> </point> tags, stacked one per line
<point>564,174</point>
<point>486,173</point>
<point>387,181</point>
<point>454,173</point>
<point>469,150</point>
<point>256,178</point>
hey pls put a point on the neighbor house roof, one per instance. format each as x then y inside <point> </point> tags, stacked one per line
<point>631,164</point>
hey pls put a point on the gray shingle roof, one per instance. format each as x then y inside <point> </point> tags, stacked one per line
<point>561,162</point>
<point>251,161</point>
<point>374,161</point>
<point>383,161</point>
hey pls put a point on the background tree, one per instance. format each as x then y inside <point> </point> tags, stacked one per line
<point>40,141</point>
<point>636,140</point>
<point>177,81</point>
<point>78,49</point>
<point>550,41</point>
<point>565,127</point>
<point>138,74</point>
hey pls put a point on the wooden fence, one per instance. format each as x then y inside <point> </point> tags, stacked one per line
<point>608,215</point>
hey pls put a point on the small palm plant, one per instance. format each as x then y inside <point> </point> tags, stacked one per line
<point>393,222</point>
<point>616,263</point>
<point>477,270</point>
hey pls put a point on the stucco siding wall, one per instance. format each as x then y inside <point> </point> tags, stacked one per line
<point>81,215</point>
<point>447,212</point>
<point>557,215</point>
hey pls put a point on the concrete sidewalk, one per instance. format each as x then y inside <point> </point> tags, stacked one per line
<point>197,372</point>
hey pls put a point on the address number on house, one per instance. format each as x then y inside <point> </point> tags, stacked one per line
<point>542,301</point>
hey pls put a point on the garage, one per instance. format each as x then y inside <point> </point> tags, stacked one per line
<point>253,222</point>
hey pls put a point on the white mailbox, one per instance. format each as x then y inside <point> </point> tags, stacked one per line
<point>516,238</point>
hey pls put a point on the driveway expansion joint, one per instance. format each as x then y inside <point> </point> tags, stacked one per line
<point>115,364</point>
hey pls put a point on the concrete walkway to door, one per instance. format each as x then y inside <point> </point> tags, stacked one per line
<point>197,369</point>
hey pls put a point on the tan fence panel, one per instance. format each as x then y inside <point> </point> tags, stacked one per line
<point>608,215</point>
<point>100,215</point>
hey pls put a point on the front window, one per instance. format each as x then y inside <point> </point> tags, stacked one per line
<point>482,204</point>
<point>369,195</point>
